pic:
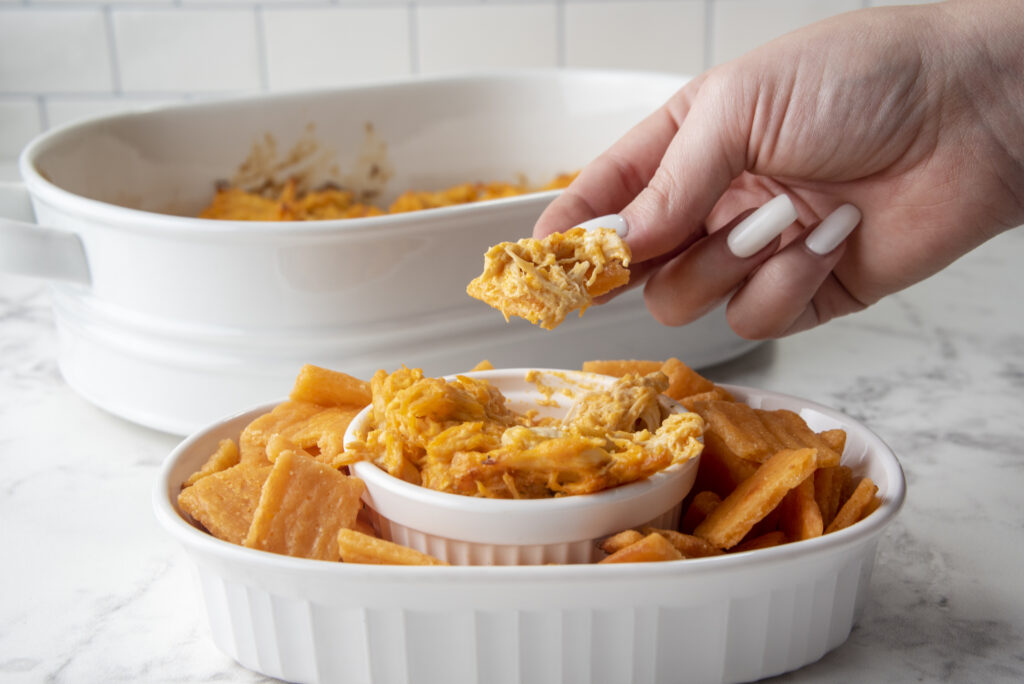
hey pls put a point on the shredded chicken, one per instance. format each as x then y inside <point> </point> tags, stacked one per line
<point>460,437</point>
<point>544,280</point>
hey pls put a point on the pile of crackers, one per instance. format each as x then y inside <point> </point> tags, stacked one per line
<point>765,478</point>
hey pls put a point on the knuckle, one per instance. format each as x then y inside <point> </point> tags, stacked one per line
<point>667,310</point>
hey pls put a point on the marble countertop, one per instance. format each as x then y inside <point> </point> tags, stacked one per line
<point>91,589</point>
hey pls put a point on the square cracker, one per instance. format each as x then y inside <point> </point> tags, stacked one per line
<point>329,388</point>
<point>651,548</point>
<point>356,547</point>
<point>620,367</point>
<point>303,505</point>
<point>756,497</point>
<point>287,418</point>
<point>325,432</point>
<point>224,502</point>
<point>223,458</point>
<point>738,430</point>
<point>683,381</point>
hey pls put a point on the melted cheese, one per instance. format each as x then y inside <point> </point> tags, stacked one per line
<point>544,280</point>
<point>460,437</point>
<point>237,204</point>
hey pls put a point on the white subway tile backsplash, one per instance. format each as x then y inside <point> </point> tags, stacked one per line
<point>321,47</point>
<point>20,121</point>
<point>61,60</point>
<point>655,35</point>
<point>48,50</point>
<point>181,49</point>
<point>491,36</point>
<point>741,25</point>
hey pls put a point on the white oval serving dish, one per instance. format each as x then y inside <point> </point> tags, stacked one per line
<point>171,321</point>
<point>729,618</point>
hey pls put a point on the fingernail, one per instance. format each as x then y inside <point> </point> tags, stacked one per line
<point>764,225</point>
<point>833,230</point>
<point>613,221</point>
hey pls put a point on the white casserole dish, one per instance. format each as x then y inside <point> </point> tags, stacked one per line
<point>728,618</point>
<point>171,321</point>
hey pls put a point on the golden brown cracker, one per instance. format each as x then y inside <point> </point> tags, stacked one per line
<point>224,502</point>
<point>621,367</point>
<point>764,541</point>
<point>720,471</point>
<point>715,394</point>
<point>302,506</point>
<point>687,545</point>
<point>329,388</point>
<point>700,506</point>
<point>735,429</point>
<point>286,419</point>
<point>826,493</point>
<point>683,381</point>
<point>323,433</point>
<point>755,435</point>
<point>620,540</point>
<point>835,438</point>
<point>800,517</point>
<point>651,548</point>
<point>756,497</point>
<point>356,547</point>
<point>223,458</point>
<point>853,509</point>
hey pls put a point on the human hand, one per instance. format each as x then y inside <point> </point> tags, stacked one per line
<point>913,115</point>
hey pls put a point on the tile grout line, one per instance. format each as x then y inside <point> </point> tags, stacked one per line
<point>414,38</point>
<point>561,56</point>
<point>709,34</point>
<point>115,61</point>
<point>262,63</point>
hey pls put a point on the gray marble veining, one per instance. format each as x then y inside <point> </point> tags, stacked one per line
<point>92,591</point>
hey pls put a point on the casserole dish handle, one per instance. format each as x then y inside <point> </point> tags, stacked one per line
<point>33,250</point>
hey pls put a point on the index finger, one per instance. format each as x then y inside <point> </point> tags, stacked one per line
<point>612,180</point>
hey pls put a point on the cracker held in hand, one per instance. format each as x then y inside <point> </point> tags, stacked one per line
<point>543,280</point>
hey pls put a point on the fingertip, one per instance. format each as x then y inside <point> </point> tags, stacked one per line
<point>833,230</point>
<point>746,326</point>
<point>759,229</point>
<point>611,221</point>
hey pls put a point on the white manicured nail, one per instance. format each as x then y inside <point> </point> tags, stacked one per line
<point>613,221</point>
<point>764,225</point>
<point>833,230</point>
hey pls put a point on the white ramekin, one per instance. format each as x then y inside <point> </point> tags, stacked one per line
<point>728,618</point>
<point>221,314</point>
<point>466,530</point>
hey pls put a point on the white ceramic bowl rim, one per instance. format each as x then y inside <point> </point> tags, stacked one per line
<point>146,221</point>
<point>167,513</point>
<point>194,226</point>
